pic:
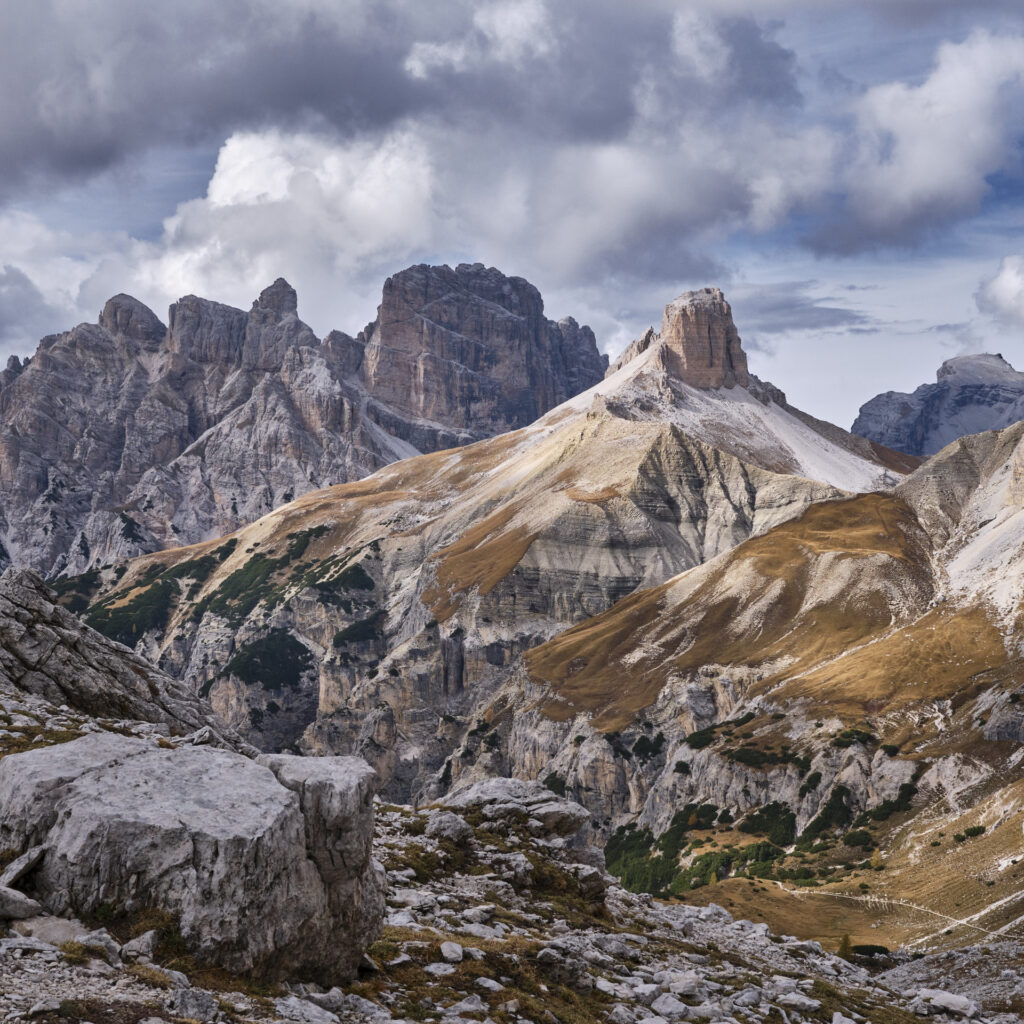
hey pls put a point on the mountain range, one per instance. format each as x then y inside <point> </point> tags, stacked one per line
<point>128,436</point>
<point>775,661</point>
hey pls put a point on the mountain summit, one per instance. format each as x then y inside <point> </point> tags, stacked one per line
<point>970,394</point>
<point>698,343</point>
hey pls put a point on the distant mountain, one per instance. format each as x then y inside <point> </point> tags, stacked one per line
<point>398,601</point>
<point>971,394</point>
<point>128,436</point>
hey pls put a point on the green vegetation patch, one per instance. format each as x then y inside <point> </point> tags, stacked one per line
<point>275,661</point>
<point>360,631</point>
<point>848,737</point>
<point>127,623</point>
<point>835,814</point>
<point>775,820</point>
<point>74,592</point>
<point>645,748</point>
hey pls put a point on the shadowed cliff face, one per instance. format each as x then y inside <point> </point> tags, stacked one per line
<point>129,436</point>
<point>472,348</point>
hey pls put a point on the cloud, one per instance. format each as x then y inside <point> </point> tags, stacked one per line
<point>1002,296</point>
<point>921,155</point>
<point>334,219</point>
<point>615,154</point>
<point>507,31</point>
<point>788,306</point>
<point>25,315</point>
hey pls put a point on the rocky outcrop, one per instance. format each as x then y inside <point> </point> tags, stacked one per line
<point>971,394</point>
<point>263,868</point>
<point>471,349</point>
<point>48,654</point>
<point>126,436</point>
<point>698,342</point>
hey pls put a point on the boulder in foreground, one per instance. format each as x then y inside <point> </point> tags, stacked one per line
<point>265,867</point>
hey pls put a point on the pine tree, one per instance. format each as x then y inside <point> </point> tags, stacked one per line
<point>845,947</point>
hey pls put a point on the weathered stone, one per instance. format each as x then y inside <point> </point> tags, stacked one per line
<point>304,1011</point>
<point>445,825</point>
<point>259,874</point>
<point>16,906</point>
<point>47,652</point>
<point>698,342</point>
<point>193,1004</point>
<point>451,952</point>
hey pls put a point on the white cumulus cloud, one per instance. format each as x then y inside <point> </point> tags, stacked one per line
<point>924,151</point>
<point>1002,296</point>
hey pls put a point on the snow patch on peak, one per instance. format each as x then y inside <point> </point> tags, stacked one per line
<point>979,368</point>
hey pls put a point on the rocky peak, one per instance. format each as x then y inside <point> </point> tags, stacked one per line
<point>971,394</point>
<point>698,342</point>
<point>125,316</point>
<point>980,368</point>
<point>280,298</point>
<point>106,451</point>
<point>470,348</point>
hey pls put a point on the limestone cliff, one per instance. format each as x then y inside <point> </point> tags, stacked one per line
<point>127,436</point>
<point>698,342</point>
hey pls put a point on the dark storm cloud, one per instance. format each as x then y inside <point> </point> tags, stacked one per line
<point>87,86</point>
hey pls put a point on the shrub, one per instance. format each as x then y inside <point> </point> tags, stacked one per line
<point>774,819</point>
<point>276,661</point>
<point>555,783</point>
<point>889,807</point>
<point>645,748</point>
<point>127,623</point>
<point>834,814</point>
<point>869,949</point>
<point>859,838</point>
<point>848,737</point>
<point>360,631</point>
<point>682,768</point>
<point>701,738</point>
<point>810,784</point>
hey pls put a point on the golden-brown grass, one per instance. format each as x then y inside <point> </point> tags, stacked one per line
<point>483,556</point>
<point>770,574</point>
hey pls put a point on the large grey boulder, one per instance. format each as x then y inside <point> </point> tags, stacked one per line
<point>264,867</point>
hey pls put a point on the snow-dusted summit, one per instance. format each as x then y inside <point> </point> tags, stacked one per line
<point>971,394</point>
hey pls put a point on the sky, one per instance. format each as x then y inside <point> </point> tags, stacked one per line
<point>849,172</point>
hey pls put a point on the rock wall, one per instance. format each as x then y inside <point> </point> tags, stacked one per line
<point>126,436</point>
<point>698,342</point>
